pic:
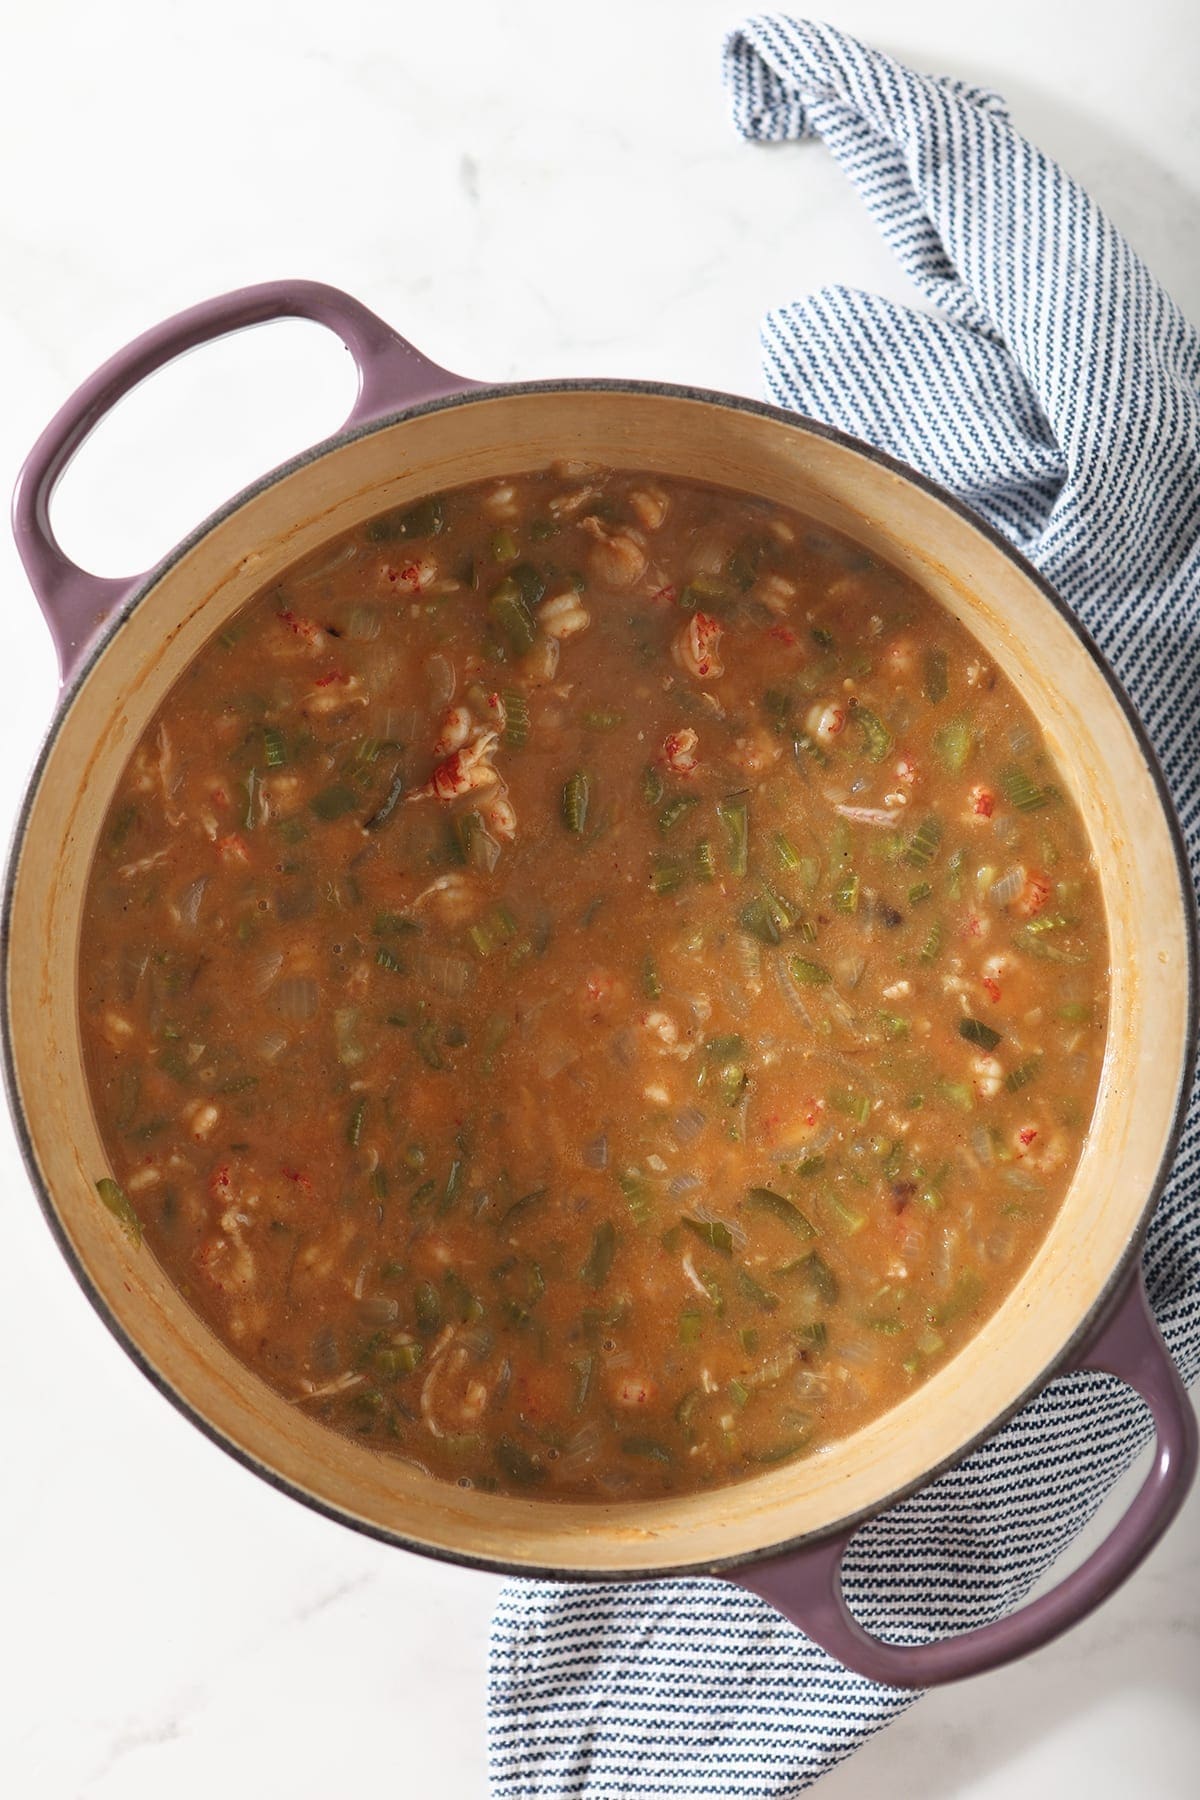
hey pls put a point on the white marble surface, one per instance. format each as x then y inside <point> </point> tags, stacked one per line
<point>526,188</point>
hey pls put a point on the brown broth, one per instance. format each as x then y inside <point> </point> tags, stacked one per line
<point>592,985</point>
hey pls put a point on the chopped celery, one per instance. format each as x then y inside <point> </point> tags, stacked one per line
<point>675,810</point>
<point>1039,945</point>
<point>516,718</point>
<point>575,796</point>
<point>817,1275</point>
<point>845,894</point>
<point>637,1192</point>
<point>512,618</point>
<point>846,1217</point>
<point>734,814</point>
<point>711,1232</point>
<point>1023,1074</point>
<point>596,1269</point>
<point>807,973</point>
<point>647,1447</point>
<point>966,1291</point>
<point>521,1468</point>
<point>121,1208</point>
<point>354,1125</point>
<point>758,918</point>
<point>427,1308</point>
<point>952,745</point>
<point>667,873</point>
<point>936,676</point>
<point>425,519</point>
<point>958,1093</point>
<point>603,718</point>
<point>1022,791</point>
<point>713,1289</point>
<point>877,739</point>
<point>925,841</point>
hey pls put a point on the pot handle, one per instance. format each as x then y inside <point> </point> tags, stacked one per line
<point>392,375</point>
<point>806,1586</point>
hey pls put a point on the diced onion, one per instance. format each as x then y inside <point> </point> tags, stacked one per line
<point>400,724</point>
<point>683,1184</point>
<point>345,1031</point>
<point>1000,1246</point>
<point>849,970</point>
<point>594,1154</point>
<point>439,681</point>
<point>558,1054</point>
<point>579,1452</point>
<point>1002,892</point>
<point>688,1125</point>
<point>296,998</point>
<point>266,968</point>
<point>945,1257</point>
<point>790,993</point>
<point>749,956</point>
<point>340,557</point>
<point>483,852</point>
<point>447,975</point>
<point>188,904</point>
<point>703,1211</point>
<point>323,1355</point>
<point>379,1309</point>
<point>843,1015</point>
<point>365,624</point>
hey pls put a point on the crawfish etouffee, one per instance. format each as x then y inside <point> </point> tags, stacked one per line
<point>593,984</point>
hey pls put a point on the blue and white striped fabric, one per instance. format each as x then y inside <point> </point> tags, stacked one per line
<point>1057,389</point>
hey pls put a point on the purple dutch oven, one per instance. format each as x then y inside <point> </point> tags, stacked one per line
<point>415,428</point>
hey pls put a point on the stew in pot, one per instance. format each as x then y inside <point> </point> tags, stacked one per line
<point>593,985</point>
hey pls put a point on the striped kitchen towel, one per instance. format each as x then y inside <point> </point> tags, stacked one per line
<point>1056,387</point>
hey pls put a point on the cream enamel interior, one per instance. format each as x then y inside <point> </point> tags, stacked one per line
<point>1101,762</point>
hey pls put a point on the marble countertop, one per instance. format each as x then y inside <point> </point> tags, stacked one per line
<point>526,189</point>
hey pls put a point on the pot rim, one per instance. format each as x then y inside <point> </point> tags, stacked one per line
<point>1106,1299</point>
